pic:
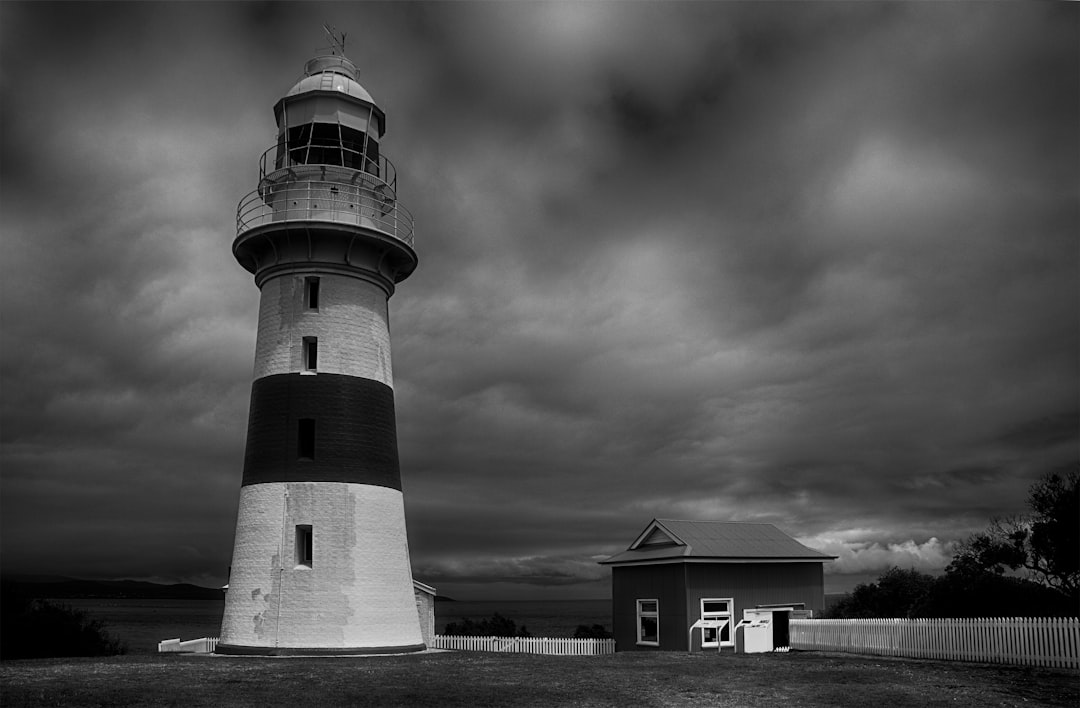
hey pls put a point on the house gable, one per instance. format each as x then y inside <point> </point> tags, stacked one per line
<point>655,534</point>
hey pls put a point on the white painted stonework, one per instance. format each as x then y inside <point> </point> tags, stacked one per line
<point>350,324</point>
<point>358,592</point>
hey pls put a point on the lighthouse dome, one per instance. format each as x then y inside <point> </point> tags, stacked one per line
<point>331,73</point>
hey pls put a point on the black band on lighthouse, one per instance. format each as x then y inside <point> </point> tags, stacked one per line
<point>355,438</point>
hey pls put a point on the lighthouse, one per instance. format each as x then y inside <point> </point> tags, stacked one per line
<point>320,560</point>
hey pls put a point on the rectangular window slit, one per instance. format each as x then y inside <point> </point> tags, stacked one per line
<point>311,353</point>
<point>305,444</point>
<point>303,545</point>
<point>311,292</point>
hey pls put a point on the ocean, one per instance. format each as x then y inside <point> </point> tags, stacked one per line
<point>543,618</point>
<point>141,624</point>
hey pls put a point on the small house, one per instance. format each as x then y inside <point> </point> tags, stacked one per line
<point>684,585</point>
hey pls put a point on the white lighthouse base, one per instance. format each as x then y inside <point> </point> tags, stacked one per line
<point>356,594</point>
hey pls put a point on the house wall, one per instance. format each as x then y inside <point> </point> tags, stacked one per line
<point>664,583</point>
<point>680,587</point>
<point>752,584</point>
<point>425,610</point>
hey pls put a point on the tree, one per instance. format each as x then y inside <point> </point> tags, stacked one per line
<point>1054,542</point>
<point>897,593</point>
<point>969,590</point>
<point>1045,543</point>
<point>966,590</point>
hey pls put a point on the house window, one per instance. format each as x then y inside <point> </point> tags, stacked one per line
<point>311,353</point>
<point>305,439</point>
<point>716,609</point>
<point>311,293</point>
<point>303,545</point>
<point>648,622</point>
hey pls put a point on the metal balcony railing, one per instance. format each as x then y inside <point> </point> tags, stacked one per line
<point>325,183</point>
<point>363,204</point>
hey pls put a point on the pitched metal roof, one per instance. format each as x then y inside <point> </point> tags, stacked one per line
<point>668,539</point>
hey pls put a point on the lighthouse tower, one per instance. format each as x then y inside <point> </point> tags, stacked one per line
<point>321,561</point>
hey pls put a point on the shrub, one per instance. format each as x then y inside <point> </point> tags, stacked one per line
<point>597,631</point>
<point>497,626</point>
<point>34,628</point>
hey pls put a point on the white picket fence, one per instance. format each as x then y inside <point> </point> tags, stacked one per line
<point>206,645</point>
<point>520,645</point>
<point>561,646</point>
<point>1052,642</point>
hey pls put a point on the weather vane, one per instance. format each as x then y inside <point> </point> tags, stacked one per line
<point>337,40</point>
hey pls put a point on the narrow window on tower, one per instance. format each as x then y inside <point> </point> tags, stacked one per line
<point>303,545</point>
<point>305,439</point>
<point>311,293</point>
<point>311,353</point>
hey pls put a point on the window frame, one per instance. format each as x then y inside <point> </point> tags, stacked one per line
<point>311,288</point>
<point>309,348</point>
<point>305,546</point>
<point>653,614</point>
<point>728,615</point>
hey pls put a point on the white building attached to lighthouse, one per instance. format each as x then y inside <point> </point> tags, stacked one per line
<point>321,559</point>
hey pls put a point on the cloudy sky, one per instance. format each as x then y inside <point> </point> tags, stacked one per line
<point>813,264</point>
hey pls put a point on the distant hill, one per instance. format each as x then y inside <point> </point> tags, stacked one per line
<point>71,588</point>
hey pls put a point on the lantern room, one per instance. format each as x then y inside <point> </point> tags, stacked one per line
<point>326,192</point>
<point>328,118</point>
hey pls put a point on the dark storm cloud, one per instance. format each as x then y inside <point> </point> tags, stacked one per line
<point>844,223</point>
<point>810,264</point>
<point>123,364</point>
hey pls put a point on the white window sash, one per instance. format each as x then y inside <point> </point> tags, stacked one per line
<point>648,614</point>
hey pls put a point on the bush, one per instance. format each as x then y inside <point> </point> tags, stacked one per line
<point>597,631</point>
<point>34,629</point>
<point>497,626</point>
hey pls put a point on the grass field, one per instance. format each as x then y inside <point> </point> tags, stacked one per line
<point>479,679</point>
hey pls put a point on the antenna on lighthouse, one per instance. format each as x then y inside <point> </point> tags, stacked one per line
<point>337,40</point>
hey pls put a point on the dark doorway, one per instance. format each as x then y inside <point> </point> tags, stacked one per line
<point>780,629</point>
